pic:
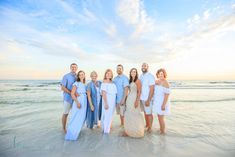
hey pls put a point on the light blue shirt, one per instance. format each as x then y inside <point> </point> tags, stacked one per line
<point>67,82</point>
<point>121,81</point>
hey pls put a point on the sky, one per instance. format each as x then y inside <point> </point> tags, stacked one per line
<point>191,39</point>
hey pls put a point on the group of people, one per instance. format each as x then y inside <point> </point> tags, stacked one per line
<point>94,103</point>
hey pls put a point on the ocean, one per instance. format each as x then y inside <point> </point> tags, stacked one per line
<point>202,122</point>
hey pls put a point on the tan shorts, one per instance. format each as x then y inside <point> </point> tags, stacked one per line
<point>67,107</point>
<point>141,106</point>
<point>120,109</point>
<point>146,109</point>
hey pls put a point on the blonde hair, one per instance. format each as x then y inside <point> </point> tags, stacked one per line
<point>93,72</point>
<point>108,70</point>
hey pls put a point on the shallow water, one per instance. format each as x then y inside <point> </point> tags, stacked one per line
<point>202,123</point>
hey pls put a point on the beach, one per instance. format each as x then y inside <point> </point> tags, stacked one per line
<point>202,123</point>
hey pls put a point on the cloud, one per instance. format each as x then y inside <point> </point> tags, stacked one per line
<point>18,27</point>
<point>66,11</point>
<point>148,42</point>
<point>133,13</point>
<point>111,30</point>
<point>212,23</point>
<point>58,41</point>
<point>88,14</point>
<point>129,11</point>
<point>133,38</point>
<point>208,25</point>
<point>233,6</point>
<point>206,14</point>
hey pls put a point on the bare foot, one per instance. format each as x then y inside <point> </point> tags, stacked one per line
<point>124,134</point>
<point>149,130</point>
<point>64,130</point>
<point>162,133</point>
<point>99,124</point>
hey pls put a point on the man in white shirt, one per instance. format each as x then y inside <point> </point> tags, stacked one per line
<point>148,82</point>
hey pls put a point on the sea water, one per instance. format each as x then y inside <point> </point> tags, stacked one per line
<point>202,122</point>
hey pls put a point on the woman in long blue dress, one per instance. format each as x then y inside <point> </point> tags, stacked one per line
<point>94,102</point>
<point>78,112</point>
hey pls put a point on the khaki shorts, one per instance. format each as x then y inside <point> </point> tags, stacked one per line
<point>146,109</point>
<point>120,109</point>
<point>67,107</point>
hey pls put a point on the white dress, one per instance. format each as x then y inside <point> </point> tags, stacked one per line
<point>107,115</point>
<point>78,115</point>
<point>158,98</point>
<point>133,119</point>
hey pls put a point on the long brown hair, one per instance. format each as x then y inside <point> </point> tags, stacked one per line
<point>78,79</point>
<point>108,70</point>
<point>136,77</point>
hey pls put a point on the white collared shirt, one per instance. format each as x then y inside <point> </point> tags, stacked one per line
<point>147,80</point>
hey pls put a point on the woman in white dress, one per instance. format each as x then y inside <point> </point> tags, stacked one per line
<point>133,119</point>
<point>161,102</point>
<point>109,91</point>
<point>79,107</point>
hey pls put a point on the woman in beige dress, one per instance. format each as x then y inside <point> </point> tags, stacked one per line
<point>133,119</point>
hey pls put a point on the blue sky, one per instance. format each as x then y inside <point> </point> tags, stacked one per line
<point>192,39</point>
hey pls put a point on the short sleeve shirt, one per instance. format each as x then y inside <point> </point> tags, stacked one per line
<point>121,81</point>
<point>68,81</point>
<point>147,80</point>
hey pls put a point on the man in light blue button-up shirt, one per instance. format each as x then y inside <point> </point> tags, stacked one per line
<point>121,81</point>
<point>66,87</point>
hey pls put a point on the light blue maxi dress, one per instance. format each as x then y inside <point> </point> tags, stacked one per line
<point>78,115</point>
